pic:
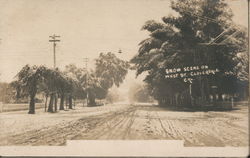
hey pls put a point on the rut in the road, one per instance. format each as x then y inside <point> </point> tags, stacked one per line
<point>59,134</point>
<point>144,123</point>
<point>107,128</point>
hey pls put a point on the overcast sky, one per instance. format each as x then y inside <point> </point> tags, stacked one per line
<point>86,27</point>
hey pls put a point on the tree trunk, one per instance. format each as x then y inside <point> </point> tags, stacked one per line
<point>92,101</point>
<point>18,94</point>
<point>70,102</point>
<point>159,102</point>
<point>220,97</point>
<point>62,102</point>
<point>56,102</point>
<point>51,102</point>
<point>203,91</point>
<point>32,104</point>
<point>46,99</point>
<point>66,101</point>
<point>74,103</point>
<point>214,98</point>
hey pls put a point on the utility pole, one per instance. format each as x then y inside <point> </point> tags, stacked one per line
<point>85,60</point>
<point>54,40</point>
<point>190,81</point>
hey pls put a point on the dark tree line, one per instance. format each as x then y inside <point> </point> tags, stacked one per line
<point>203,33</point>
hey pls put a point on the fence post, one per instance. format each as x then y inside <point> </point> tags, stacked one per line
<point>232,101</point>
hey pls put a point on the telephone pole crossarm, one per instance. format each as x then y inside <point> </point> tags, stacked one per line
<point>54,40</point>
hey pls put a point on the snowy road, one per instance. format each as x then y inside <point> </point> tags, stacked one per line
<point>137,122</point>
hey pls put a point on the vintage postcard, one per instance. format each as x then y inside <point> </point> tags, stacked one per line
<point>155,78</point>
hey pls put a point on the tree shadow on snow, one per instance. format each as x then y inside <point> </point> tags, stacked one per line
<point>205,108</point>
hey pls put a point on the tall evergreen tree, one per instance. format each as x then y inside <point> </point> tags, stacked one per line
<point>202,34</point>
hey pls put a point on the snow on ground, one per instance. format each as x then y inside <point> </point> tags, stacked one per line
<point>19,121</point>
<point>126,122</point>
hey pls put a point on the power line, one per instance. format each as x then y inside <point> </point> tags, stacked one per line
<point>219,36</point>
<point>215,21</point>
<point>232,35</point>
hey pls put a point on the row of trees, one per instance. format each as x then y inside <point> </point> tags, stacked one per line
<point>72,83</point>
<point>32,80</point>
<point>203,33</point>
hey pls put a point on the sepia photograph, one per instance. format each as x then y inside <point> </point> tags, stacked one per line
<point>102,76</point>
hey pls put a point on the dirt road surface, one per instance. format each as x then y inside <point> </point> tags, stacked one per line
<point>126,122</point>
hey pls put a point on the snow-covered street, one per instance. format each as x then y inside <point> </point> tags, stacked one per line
<point>126,122</point>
